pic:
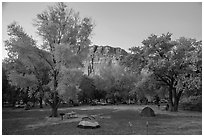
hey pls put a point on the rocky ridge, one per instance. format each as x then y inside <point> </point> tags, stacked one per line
<point>100,55</point>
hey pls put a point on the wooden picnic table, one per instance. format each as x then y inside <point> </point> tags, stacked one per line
<point>71,115</point>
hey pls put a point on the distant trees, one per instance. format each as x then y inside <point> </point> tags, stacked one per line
<point>89,90</point>
<point>112,83</point>
<point>5,86</point>
<point>10,94</point>
<point>173,64</point>
<point>115,81</point>
<point>86,94</point>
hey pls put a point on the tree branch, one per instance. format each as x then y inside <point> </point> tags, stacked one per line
<point>179,94</point>
<point>46,61</point>
<point>163,79</point>
<point>58,102</point>
<point>35,69</point>
<point>50,103</point>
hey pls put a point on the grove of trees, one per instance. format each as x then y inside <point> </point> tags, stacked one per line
<point>53,71</point>
<point>65,45</point>
<point>176,65</point>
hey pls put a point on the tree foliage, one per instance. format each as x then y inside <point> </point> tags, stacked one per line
<point>66,38</point>
<point>175,64</point>
<point>86,94</point>
<point>116,81</point>
<point>26,71</point>
<point>65,44</point>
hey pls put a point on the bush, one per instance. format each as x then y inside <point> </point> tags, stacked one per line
<point>192,103</point>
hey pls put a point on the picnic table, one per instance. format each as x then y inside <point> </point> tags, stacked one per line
<point>71,115</point>
<point>68,115</point>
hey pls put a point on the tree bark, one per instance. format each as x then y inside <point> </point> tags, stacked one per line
<point>25,98</point>
<point>34,100</point>
<point>41,106</point>
<point>54,107</point>
<point>170,99</point>
<point>55,99</point>
<point>174,99</point>
<point>54,112</point>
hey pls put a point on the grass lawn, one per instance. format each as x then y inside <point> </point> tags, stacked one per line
<point>114,120</point>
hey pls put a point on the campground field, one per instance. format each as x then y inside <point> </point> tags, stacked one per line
<point>114,120</point>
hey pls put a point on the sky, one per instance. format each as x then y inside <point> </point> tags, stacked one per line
<point>117,24</point>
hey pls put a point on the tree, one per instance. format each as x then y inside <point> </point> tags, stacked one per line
<point>5,86</point>
<point>15,46</point>
<point>174,64</point>
<point>66,38</point>
<point>91,89</point>
<point>145,86</point>
<point>25,64</point>
<point>65,45</point>
<point>87,89</point>
<point>100,92</point>
<point>10,93</point>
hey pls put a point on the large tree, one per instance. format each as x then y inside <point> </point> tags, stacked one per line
<point>65,44</point>
<point>26,70</point>
<point>174,64</point>
<point>66,38</point>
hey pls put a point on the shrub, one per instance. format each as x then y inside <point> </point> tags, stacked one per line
<point>192,103</point>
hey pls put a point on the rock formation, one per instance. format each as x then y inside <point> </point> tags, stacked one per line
<point>99,55</point>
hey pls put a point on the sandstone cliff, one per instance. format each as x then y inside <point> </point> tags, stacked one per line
<point>100,55</point>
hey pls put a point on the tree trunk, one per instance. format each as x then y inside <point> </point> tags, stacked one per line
<point>54,105</point>
<point>177,98</point>
<point>54,112</point>
<point>34,100</point>
<point>56,102</point>
<point>25,97</point>
<point>174,99</point>
<point>106,100</point>
<point>170,99</point>
<point>41,106</point>
<point>175,106</point>
<point>13,103</point>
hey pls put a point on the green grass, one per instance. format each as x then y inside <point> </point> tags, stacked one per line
<point>115,122</point>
